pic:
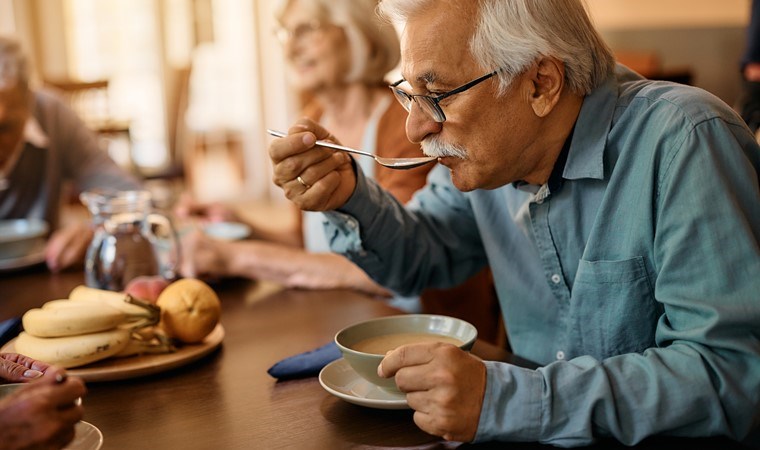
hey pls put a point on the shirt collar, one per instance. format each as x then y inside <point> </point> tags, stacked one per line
<point>555,178</point>
<point>585,158</point>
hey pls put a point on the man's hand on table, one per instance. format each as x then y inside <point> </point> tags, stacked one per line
<point>43,413</point>
<point>68,246</point>
<point>443,384</point>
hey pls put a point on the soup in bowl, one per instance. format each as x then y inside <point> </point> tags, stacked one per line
<point>365,344</point>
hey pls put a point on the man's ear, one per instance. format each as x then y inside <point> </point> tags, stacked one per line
<point>548,81</point>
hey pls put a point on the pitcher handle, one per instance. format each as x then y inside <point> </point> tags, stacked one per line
<point>169,258</point>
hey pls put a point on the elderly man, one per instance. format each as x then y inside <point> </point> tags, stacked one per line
<point>620,217</point>
<point>43,144</point>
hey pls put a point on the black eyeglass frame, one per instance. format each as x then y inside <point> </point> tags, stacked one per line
<point>431,104</point>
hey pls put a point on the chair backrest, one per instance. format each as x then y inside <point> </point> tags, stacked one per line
<point>90,100</point>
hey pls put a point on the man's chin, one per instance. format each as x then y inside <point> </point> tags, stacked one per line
<point>460,182</point>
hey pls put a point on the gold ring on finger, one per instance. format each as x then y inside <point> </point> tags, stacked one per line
<point>303,183</point>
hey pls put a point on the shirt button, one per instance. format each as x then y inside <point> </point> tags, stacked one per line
<point>560,355</point>
<point>352,225</point>
<point>556,279</point>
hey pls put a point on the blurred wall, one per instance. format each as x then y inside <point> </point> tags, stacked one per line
<point>706,36</point>
<point>712,54</point>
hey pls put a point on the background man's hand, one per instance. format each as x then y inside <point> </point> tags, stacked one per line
<point>443,384</point>
<point>17,368</point>
<point>67,246</point>
<point>327,176</point>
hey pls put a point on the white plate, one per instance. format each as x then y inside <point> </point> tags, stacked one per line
<point>86,437</point>
<point>23,261</point>
<point>227,231</point>
<point>339,379</point>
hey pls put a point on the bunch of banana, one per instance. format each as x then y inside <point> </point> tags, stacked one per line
<point>73,351</point>
<point>90,325</point>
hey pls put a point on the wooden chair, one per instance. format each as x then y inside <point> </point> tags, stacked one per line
<point>90,100</point>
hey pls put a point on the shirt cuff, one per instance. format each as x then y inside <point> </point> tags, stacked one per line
<point>511,405</point>
<point>342,226</point>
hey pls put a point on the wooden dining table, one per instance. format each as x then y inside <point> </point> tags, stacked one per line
<point>226,400</point>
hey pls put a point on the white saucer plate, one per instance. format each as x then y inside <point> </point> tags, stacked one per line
<point>22,261</point>
<point>340,380</point>
<point>227,231</point>
<point>86,437</point>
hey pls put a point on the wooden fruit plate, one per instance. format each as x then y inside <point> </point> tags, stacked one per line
<point>137,366</point>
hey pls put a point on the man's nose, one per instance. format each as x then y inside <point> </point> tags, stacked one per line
<point>419,124</point>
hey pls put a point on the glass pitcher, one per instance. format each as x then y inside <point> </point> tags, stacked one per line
<point>130,240</point>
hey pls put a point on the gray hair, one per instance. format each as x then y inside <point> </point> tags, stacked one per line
<point>512,34</point>
<point>374,44</point>
<point>14,67</point>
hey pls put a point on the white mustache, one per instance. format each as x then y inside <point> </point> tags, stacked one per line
<point>433,146</point>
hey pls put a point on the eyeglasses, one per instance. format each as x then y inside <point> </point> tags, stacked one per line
<point>300,31</point>
<point>429,104</point>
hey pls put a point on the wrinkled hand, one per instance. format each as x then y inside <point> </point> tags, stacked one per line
<point>19,368</point>
<point>203,256</point>
<point>68,246</point>
<point>41,414</point>
<point>328,174</point>
<point>187,207</point>
<point>331,271</point>
<point>443,384</point>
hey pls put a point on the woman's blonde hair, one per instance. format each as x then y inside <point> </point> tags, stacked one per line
<point>373,43</point>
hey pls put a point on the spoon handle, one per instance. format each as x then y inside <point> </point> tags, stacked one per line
<point>326,144</point>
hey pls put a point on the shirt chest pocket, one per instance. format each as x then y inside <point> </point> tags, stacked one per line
<point>612,308</point>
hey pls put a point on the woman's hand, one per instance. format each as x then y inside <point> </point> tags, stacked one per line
<point>204,256</point>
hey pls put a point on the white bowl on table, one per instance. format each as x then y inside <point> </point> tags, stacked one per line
<point>353,339</point>
<point>22,237</point>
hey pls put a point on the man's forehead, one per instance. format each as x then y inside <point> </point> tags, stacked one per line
<point>433,44</point>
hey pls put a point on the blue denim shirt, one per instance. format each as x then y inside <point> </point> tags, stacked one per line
<point>635,283</point>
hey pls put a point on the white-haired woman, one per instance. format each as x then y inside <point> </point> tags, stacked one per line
<point>338,53</point>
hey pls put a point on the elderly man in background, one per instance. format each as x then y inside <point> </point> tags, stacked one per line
<point>620,218</point>
<point>42,144</point>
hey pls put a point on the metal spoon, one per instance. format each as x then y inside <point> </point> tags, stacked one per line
<point>391,163</point>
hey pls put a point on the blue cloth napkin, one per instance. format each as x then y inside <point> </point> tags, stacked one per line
<point>305,364</point>
<point>9,329</point>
